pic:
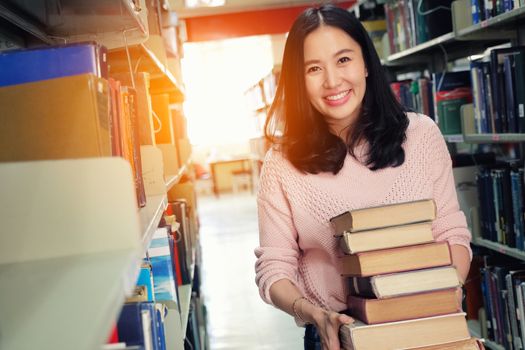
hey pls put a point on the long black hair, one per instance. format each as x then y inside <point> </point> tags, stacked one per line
<point>302,131</point>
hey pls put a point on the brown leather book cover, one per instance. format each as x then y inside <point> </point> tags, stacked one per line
<point>146,124</point>
<point>131,146</point>
<point>392,260</point>
<point>55,119</point>
<point>372,311</point>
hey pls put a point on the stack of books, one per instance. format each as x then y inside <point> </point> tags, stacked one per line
<point>403,287</point>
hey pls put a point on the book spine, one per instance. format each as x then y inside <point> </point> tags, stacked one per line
<point>362,286</point>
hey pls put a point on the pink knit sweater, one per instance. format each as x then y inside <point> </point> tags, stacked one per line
<point>296,239</point>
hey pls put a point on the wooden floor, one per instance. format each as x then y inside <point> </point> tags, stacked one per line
<point>237,316</point>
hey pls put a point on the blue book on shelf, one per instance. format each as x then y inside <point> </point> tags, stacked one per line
<point>162,312</point>
<point>164,283</point>
<point>145,278</point>
<point>137,325</point>
<point>29,65</point>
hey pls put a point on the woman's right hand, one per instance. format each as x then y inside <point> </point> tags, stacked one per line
<point>327,324</point>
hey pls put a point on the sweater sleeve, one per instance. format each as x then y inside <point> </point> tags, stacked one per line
<point>278,251</point>
<point>450,224</point>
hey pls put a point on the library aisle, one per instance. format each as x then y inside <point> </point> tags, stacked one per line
<point>237,317</point>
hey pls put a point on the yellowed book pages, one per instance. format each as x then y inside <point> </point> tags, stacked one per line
<point>384,216</point>
<point>467,344</point>
<point>415,281</point>
<point>399,259</point>
<point>390,237</point>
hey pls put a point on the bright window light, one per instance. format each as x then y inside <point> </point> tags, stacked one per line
<point>204,3</point>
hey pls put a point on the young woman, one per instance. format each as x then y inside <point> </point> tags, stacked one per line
<point>341,142</point>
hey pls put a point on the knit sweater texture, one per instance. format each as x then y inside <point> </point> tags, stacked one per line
<point>296,238</point>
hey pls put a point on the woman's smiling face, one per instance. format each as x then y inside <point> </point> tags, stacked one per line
<point>335,75</point>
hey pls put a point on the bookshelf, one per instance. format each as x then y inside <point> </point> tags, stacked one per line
<point>76,235</point>
<point>466,40</point>
<point>112,22</point>
<point>149,56</point>
<point>69,257</point>
<point>474,328</point>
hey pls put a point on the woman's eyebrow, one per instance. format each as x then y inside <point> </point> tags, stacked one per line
<point>335,55</point>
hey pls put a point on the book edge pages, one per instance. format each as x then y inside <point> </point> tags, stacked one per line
<point>422,225</point>
<point>354,328</point>
<point>428,201</point>
<point>375,280</point>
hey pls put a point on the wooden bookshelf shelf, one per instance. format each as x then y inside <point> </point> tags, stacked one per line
<point>475,331</point>
<point>500,248</point>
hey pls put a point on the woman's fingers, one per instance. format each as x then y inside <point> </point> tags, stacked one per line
<point>345,319</point>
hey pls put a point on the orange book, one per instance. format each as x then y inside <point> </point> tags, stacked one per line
<point>400,259</point>
<point>372,311</point>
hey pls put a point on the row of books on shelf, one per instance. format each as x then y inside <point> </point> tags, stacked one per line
<point>483,10</point>
<point>501,193</point>
<point>498,89</point>
<point>63,102</point>
<point>497,291</point>
<point>439,97</point>
<point>412,22</point>
<point>495,84</point>
<point>170,262</point>
<point>404,290</point>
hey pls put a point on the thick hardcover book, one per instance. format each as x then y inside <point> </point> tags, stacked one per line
<point>389,237</point>
<point>403,283</point>
<point>392,260</point>
<point>55,119</point>
<point>145,278</point>
<point>162,266</point>
<point>24,66</point>
<point>132,145</point>
<point>136,325</point>
<point>404,334</point>
<point>467,344</point>
<point>407,307</point>
<point>384,216</point>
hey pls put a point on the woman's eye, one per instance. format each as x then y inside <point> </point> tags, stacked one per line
<point>313,69</point>
<point>344,59</point>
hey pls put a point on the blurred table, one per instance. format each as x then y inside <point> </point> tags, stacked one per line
<point>222,171</point>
